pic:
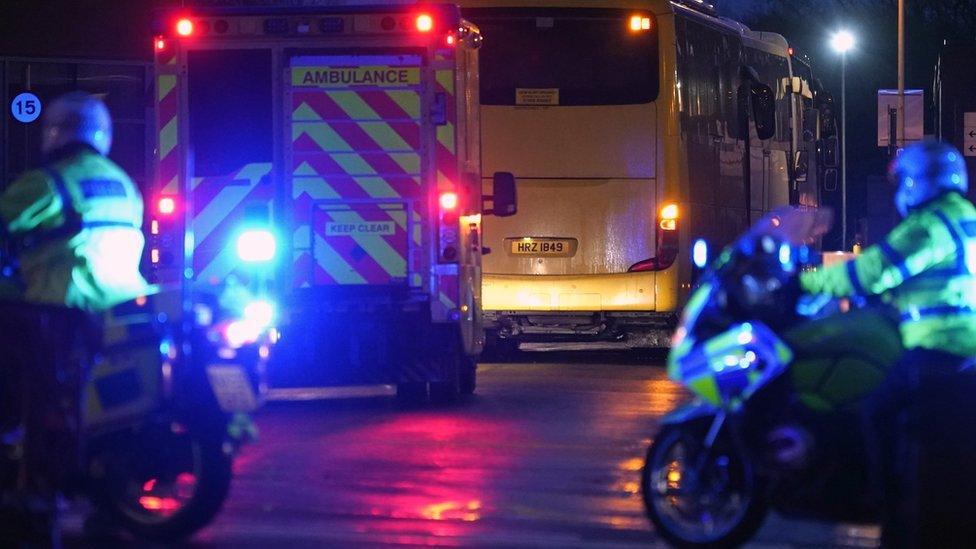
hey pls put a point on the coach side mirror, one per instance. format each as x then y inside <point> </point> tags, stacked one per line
<point>828,119</point>
<point>828,152</point>
<point>504,196</point>
<point>763,110</point>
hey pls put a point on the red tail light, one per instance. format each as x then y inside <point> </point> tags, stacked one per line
<point>160,44</point>
<point>449,201</point>
<point>166,205</point>
<point>184,27</point>
<point>425,23</point>
<point>449,228</point>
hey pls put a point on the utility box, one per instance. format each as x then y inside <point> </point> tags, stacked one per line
<point>914,116</point>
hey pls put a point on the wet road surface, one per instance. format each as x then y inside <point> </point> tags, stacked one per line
<point>545,455</point>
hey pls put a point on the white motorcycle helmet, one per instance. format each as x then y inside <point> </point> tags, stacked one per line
<point>76,117</point>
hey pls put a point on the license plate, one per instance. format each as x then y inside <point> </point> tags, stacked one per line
<point>232,388</point>
<point>548,247</point>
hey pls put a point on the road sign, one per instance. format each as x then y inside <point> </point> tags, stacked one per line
<point>969,134</point>
<point>914,125</point>
<point>26,107</point>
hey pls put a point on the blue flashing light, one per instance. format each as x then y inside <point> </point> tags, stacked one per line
<point>699,253</point>
<point>240,333</point>
<point>785,254</point>
<point>803,255</point>
<point>256,246</point>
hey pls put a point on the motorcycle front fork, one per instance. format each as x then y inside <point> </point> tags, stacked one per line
<point>713,431</point>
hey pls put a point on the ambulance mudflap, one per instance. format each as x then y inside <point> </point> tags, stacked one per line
<point>355,166</point>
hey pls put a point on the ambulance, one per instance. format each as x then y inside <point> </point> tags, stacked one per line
<point>329,157</point>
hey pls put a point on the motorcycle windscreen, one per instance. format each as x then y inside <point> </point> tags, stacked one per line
<point>355,167</point>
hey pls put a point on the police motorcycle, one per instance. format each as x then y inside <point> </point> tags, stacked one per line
<point>164,409</point>
<point>777,380</point>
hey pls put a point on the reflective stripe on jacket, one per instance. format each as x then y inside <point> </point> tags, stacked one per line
<point>79,222</point>
<point>926,267</point>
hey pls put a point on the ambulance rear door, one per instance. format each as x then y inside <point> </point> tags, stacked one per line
<point>355,163</point>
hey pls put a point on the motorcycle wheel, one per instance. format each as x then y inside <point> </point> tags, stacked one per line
<point>701,500</point>
<point>179,492</point>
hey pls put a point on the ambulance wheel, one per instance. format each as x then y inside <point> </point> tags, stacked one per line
<point>411,393</point>
<point>444,392</point>
<point>448,390</point>
<point>469,376</point>
<point>499,349</point>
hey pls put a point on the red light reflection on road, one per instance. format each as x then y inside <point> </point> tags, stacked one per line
<point>432,472</point>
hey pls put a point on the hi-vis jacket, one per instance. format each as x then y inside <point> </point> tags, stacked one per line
<point>79,225</point>
<point>926,267</point>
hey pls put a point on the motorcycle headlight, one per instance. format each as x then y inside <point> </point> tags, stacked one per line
<point>259,312</point>
<point>240,333</point>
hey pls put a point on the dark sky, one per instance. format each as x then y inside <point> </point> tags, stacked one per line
<point>77,28</point>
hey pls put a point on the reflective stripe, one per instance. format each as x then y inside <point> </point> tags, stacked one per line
<point>855,282</point>
<point>73,222</point>
<point>923,312</point>
<point>103,224</point>
<point>968,227</point>
<point>946,273</point>
<point>895,259</point>
<point>102,188</point>
<point>957,239</point>
<point>71,216</point>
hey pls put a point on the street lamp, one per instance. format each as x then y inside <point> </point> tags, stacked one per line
<point>842,41</point>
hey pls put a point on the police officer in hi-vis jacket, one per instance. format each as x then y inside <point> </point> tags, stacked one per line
<point>75,225</point>
<point>921,420</point>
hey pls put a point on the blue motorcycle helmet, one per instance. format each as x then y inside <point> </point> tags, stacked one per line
<point>924,171</point>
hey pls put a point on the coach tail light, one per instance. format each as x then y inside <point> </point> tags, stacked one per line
<point>256,246</point>
<point>640,23</point>
<point>667,241</point>
<point>669,218</point>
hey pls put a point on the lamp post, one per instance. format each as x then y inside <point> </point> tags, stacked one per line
<point>842,41</point>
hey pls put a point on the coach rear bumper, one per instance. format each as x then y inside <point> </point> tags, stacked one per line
<point>539,330</point>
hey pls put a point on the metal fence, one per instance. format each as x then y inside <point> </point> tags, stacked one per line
<point>126,87</point>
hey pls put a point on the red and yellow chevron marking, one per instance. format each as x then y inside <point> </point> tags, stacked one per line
<point>219,205</point>
<point>167,179</point>
<point>448,289</point>
<point>356,174</point>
